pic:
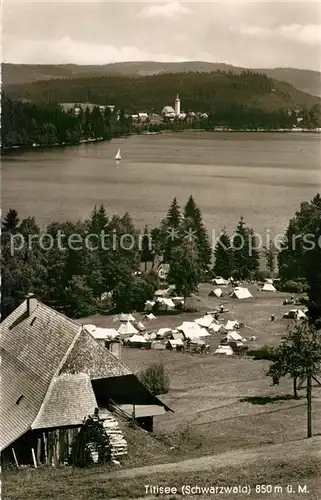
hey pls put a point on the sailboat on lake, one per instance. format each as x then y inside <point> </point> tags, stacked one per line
<point>118,155</point>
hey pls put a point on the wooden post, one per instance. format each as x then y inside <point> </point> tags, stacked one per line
<point>57,446</point>
<point>15,457</point>
<point>309,404</point>
<point>34,458</point>
<point>39,449</point>
<point>45,442</point>
<point>295,392</point>
<point>134,416</point>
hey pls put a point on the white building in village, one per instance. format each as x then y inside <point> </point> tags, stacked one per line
<point>177,106</point>
<point>170,112</point>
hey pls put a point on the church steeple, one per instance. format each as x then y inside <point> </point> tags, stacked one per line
<point>177,105</point>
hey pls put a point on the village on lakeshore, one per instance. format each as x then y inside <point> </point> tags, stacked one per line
<point>174,114</point>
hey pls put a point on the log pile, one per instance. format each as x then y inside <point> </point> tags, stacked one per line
<point>118,444</point>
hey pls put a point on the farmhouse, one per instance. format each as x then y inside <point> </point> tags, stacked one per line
<point>55,375</point>
<point>163,270</point>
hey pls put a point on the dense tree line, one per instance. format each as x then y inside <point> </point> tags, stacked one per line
<point>47,124</point>
<point>102,272</point>
<point>225,94</point>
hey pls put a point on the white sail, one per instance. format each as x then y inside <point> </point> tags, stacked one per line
<point>118,157</point>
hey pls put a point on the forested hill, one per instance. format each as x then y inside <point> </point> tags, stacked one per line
<point>203,92</point>
<point>306,80</point>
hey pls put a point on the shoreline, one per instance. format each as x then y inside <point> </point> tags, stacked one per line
<point>161,132</point>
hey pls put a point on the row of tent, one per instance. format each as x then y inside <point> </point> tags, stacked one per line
<point>237,293</point>
<point>193,331</point>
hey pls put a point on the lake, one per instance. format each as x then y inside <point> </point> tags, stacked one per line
<point>261,176</point>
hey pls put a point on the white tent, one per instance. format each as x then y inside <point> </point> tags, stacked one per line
<point>135,339</point>
<point>224,349</point>
<point>268,287</point>
<point>269,281</point>
<point>205,321</point>
<point>220,281</point>
<point>296,314</point>
<point>149,304</point>
<point>235,336</point>
<point>126,317</point>
<point>231,325</point>
<point>241,293</point>
<point>185,325</point>
<point>166,303</point>
<point>150,316</point>
<point>216,292</point>
<point>90,328</point>
<point>195,332</point>
<point>175,342</point>
<point>215,328</point>
<point>162,332</point>
<point>300,314</point>
<point>164,292</point>
<point>198,342</point>
<point>140,326</point>
<point>127,329</point>
<point>101,333</point>
<point>177,335</point>
<point>178,300</point>
<point>150,336</point>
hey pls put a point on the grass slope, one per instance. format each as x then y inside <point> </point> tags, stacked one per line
<point>230,426</point>
<point>305,80</point>
<point>297,464</point>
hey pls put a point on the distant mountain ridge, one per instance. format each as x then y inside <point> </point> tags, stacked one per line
<point>308,81</point>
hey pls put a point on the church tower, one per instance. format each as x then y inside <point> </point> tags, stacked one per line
<point>177,105</point>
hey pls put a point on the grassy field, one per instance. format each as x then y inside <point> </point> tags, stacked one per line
<point>224,403</point>
<point>94,484</point>
<point>220,404</point>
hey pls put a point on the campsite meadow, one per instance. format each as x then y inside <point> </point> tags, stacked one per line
<point>223,406</point>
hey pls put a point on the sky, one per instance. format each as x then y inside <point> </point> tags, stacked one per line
<point>253,34</point>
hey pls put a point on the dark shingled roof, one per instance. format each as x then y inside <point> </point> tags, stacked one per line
<point>70,399</point>
<point>36,352</point>
<point>31,356</point>
<point>88,356</point>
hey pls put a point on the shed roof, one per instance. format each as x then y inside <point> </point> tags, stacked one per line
<point>88,356</point>
<point>69,401</point>
<point>32,349</point>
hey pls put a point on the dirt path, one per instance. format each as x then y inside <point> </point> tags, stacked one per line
<point>294,449</point>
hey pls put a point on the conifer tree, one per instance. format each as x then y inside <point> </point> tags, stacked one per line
<point>170,230</point>
<point>223,256</point>
<point>313,276</point>
<point>98,220</point>
<point>11,221</point>
<point>146,254</point>
<point>185,271</point>
<point>246,257</point>
<point>270,253</point>
<point>193,226</point>
<point>173,218</point>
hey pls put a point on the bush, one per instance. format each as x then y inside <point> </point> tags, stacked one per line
<point>155,379</point>
<point>294,287</point>
<point>266,352</point>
